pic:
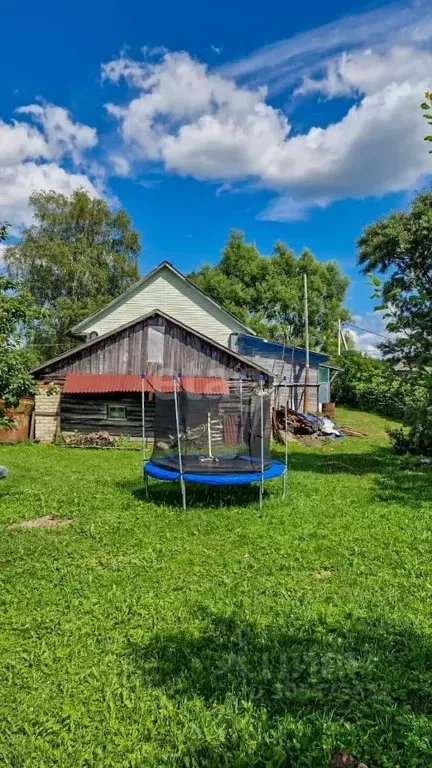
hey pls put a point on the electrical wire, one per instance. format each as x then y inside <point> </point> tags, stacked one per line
<point>365,330</point>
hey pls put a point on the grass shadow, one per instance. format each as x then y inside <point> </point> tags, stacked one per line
<point>392,481</point>
<point>364,676</point>
<point>198,496</point>
<point>380,460</point>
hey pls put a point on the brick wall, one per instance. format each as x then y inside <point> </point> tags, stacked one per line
<point>47,412</point>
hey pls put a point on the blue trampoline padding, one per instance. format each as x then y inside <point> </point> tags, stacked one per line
<point>276,469</point>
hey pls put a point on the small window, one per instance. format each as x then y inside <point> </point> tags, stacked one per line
<point>117,412</point>
<point>155,344</point>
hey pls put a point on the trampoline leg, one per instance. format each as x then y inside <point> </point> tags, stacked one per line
<point>183,493</point>
<point>260,495</point>
<point>146,485</point>
<point>284,483</point>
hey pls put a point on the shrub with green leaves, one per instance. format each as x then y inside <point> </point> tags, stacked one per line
<point>17,311</point>
<point>416,438</point>
<point>373,385</point>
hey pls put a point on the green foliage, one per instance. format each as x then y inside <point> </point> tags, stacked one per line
<point>417,437</point>
<point>139,636</point>
<point>426,106</point>
<point>75,258</point>
<point>17,312</point>
<point>372,385</point>
<point>266,293</point>
<point>400,248</point>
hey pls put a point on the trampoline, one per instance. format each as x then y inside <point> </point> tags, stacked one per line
<point>210,432</point>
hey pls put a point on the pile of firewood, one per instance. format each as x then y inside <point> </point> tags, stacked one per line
<point>92,440</point>
<point>295,422</point>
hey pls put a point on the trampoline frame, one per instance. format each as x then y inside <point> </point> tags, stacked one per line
<point>276,468</point>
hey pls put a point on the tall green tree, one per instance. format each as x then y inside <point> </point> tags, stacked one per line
<point>77,256</point>
<point>266,292</point>
<point>17,314</point>
<point>399,247</point>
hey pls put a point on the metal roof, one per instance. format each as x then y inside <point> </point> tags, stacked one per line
<point>254,345</point>
<point>112,383</point>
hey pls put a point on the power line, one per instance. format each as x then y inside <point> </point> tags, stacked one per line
<point>365,330</point>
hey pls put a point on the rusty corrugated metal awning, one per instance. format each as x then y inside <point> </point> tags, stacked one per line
<point>112,383</point>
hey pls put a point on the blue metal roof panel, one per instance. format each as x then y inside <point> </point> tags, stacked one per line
<point>253,345</point>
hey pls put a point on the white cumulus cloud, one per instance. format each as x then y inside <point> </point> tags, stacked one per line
<point>196,122</point>
<point>46,152</point>
<point>62,135</point>
<point>369,331</point>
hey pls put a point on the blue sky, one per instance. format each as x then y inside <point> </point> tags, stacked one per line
<point>298,122</point>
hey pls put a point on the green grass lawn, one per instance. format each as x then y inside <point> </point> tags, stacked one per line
<point>140,635</point>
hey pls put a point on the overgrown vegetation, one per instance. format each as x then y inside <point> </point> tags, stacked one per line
<point>17,311</point>
<point>142,636</point>
<point>373,385</point>
<point>399,247</point>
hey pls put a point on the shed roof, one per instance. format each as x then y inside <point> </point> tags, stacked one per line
<point>111,383</point>
<point>254,345</point>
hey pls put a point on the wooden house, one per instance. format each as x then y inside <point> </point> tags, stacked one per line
<point>165,288</point>
<point>162,325</point>
<point>97,385</point>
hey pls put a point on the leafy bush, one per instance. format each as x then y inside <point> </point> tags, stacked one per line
<point>372,385</point>
<point>417,438</point>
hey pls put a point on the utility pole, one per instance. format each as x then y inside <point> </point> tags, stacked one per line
<point>306,312</point>
<point>339,337</point>
<point>344,340</point>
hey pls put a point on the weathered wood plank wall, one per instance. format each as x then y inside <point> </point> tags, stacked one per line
<point>153,345</point>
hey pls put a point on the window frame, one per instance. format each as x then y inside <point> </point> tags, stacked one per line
<point>110,417</point>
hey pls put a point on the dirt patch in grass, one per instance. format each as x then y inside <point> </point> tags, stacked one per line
<point>48,521</point>
<point>322,575</point>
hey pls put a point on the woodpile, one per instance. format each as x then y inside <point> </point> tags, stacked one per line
<point>92,440</point>
<point>295,422</point>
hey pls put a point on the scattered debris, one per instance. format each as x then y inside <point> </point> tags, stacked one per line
<point>352,432</point>
<point>48,521</point>
<point>343,759</point>
<point>297,423</point>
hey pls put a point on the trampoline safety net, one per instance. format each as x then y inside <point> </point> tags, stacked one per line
<point>218,434</point>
